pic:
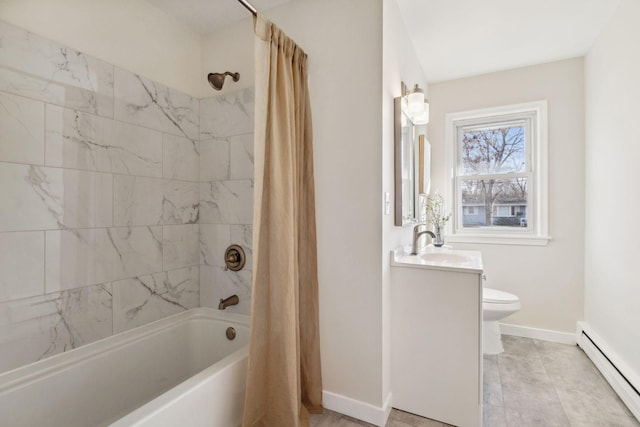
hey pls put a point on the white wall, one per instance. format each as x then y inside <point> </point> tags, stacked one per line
<point>229,49</point>
<point>399,63</point>
<point>612,290</point>
<point>548,279</point>
<point>128,33</point>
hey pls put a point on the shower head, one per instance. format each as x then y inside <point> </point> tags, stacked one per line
<point>216,80</point>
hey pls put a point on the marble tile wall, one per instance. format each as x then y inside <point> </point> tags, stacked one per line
<point>100,197</point>
<point>226,195</point>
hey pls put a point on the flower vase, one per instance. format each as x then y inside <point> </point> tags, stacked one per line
<point>438,241</point>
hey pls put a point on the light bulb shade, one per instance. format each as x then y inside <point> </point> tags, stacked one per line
<point>416,101</point>
<point>422,118</point>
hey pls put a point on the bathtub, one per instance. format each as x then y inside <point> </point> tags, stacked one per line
<point>181,370</point>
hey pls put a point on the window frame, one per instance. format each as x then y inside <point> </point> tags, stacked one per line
<point>526,120</point>
<point>536,171</point>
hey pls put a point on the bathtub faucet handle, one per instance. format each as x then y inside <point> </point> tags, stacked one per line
<point>234,258</point>
<point>231,259</point>
<point>226,302</point>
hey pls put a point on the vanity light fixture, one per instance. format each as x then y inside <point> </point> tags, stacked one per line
<point>417,106</point>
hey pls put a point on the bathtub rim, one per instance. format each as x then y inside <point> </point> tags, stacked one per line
<point>24,375</point>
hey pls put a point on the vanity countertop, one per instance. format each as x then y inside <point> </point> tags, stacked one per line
<point>434,258</point>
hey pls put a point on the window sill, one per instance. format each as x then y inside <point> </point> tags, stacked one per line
<point>498,239</point>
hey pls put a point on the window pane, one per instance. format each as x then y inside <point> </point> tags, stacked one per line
<point>494,150</point>
<point>494,202</point>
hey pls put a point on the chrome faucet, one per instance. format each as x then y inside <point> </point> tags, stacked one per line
<point>416,236</point>
<point>224,303</point>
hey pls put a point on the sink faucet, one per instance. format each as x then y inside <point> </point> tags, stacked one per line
<point>416,236</point>
<point>224,303</point>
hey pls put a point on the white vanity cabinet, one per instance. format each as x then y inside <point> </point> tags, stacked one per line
<point>436,335</point>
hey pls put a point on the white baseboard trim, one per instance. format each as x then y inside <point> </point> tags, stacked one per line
<point>538,334</point>
<point>356,409</point>
<point>611,369</point>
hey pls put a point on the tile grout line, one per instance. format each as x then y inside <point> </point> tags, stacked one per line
<point>44,232</point>
<point>553,382</point>
<point>44,272</point>
<point>504,409</point>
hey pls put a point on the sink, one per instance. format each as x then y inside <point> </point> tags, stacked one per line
<point>445,258</point>
<point>438,258</point>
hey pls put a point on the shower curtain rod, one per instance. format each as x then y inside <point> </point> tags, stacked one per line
<point>249,7</point>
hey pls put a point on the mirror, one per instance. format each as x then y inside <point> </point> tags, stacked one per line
<point>412,166</point>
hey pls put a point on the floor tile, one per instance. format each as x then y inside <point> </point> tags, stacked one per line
<point>490,369</point>
<point>334,419</point>
<point>525,375</point>
<point>536,416</point>
<point>402,419</point>
<point>533,383</point>
<point>597,406</point>
<point>569,367</point>
<point>493,416</point>
<point>492,394</point>
<point>518,346</point>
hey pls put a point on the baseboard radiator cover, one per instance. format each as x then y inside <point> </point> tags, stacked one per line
<point>626,386</point>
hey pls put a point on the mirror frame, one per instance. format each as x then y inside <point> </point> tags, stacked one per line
<point>420,159</point>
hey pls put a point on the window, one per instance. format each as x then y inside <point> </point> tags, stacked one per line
<point>498,159</point>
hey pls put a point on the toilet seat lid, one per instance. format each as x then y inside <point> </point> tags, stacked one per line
<point>498,297</point>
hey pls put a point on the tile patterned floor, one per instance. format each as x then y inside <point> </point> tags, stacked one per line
<point>538,383</point>
<point>533,383</point>
<point>396,419</point>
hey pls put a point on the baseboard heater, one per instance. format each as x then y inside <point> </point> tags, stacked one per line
<point>613,365</point>
<point>628,392</point>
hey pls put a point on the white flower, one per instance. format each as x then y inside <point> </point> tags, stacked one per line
<point>434,210</point>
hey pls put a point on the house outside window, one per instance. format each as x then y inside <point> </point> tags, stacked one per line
<point>498,188</point>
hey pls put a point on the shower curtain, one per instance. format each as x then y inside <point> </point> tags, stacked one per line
<point>283,378</point>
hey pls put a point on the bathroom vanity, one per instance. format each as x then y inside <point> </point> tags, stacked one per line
<point>436,336</point>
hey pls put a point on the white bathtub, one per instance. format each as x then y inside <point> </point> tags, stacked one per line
<point>181,370</point>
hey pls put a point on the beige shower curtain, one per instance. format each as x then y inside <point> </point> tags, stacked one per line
<point>283,379</point>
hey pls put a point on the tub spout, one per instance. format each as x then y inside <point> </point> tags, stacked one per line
<point>224,303</point>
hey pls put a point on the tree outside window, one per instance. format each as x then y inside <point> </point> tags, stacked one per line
<point>494,173</point>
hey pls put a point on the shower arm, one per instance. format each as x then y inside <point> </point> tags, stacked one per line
<point>249,7</point>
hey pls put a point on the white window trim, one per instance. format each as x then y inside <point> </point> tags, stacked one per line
<point>539,235</point>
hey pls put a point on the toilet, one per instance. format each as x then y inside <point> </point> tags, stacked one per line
<point>496,305</point>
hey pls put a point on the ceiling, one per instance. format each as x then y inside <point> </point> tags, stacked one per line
<point>461,38</point>
<point>207,16</point>
<point>455,38</point>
